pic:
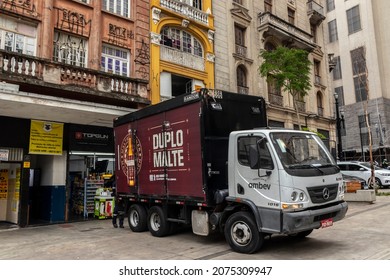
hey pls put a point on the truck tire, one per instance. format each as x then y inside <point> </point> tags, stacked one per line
<point>242,234</point>
<point>138,218</point>
<point>157,222</point>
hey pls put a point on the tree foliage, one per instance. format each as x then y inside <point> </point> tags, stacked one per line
<point>289,69</point>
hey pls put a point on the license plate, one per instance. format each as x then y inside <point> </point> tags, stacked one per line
<point>327,223</point>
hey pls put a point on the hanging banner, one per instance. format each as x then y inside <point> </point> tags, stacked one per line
<point>46,138</point>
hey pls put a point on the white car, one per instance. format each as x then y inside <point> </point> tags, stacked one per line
<point>363,170</point>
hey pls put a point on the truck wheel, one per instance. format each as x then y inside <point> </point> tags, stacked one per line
<point>137,218</point>
<point>157,223</point>
<point>242,234</point>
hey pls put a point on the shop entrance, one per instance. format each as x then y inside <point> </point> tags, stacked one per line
<point>10,174</point>
<point>87,175</point>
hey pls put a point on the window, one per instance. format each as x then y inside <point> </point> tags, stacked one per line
<point>197,4</point>
<point>332,29</point>
<point>119,7</point>
<point>22,38</point>
<point>359,73</point>
<point>69,49</point>
<point>241,80</point>
<point>313,31</point>
<point>362,120</point>
<point>320,108</point>
<point>268,6</point>
<point>337,75</point>
<point>358,61</point>
<point>272,86</point>
<point>330,5</point>
<point>248,145</point>
<point>360,83</point>
<point>291,16</point>
<point>317,72</point>
<point>115,60</point>
<point>272,123</point>
<point>181,40</point>
<point>340,93</point>
<point>353,18</point>
<point>239,33</point>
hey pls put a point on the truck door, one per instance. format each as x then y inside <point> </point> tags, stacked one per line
<point>256,179</point>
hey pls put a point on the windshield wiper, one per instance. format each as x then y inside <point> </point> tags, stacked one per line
<point>305,166</point>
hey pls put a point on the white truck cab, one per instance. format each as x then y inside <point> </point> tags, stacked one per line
<point>287,178</point>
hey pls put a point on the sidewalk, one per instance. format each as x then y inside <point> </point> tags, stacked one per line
<point>363,234</point>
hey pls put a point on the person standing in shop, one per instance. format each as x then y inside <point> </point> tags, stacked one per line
<point>118,206</point>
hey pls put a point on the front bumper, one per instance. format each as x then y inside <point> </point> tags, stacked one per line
<point>293,222</point>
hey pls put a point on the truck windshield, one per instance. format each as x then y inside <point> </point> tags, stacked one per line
<point>300,150</point>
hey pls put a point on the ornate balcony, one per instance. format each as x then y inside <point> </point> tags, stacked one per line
<point>182,58</point>
<point>243,90</point>
<point>241,50</point>
<point>289,34</point>
<point>275,99</point>
<point>42,76</point>
<point>186,10</point>
<point>316,12</point>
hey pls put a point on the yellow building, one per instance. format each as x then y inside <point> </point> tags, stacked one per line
<point>182,47</point>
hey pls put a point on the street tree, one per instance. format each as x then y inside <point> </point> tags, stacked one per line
<point>289,69</point>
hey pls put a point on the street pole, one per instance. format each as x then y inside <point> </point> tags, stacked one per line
<point>338,129</point>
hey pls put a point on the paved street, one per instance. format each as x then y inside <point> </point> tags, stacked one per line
<point>363,234</point>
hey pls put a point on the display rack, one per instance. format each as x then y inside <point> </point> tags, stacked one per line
<point>90,187</point>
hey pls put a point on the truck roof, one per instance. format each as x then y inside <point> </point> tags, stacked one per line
<point>223,98</point>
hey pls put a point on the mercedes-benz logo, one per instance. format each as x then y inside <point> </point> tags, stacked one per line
<point>325,193</point>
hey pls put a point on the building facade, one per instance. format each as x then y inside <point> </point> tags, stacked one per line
<point>357,35</point>
<point>244,28</point>
<point>67,69</point>
<point>182,47</point>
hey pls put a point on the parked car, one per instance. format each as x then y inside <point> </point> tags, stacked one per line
<point>353,183</point>
<point>363,170</point>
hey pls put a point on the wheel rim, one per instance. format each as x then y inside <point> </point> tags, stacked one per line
<point>241,234</point>
<point>155,222</point>
<point>134,218</point>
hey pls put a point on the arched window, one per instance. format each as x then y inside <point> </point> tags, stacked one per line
<point>241,80</point>
<point>181,40</point>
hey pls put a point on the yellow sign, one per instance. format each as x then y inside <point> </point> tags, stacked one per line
<point>46,138</point>
<point>3,183</point>
<point>26,164</point>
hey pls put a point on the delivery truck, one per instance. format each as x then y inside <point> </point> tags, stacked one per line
<point>208,160</point>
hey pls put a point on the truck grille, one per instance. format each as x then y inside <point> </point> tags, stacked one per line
<point>323,194</point>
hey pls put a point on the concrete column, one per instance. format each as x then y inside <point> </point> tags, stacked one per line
<point>95,42</point>
<point>46,39</point>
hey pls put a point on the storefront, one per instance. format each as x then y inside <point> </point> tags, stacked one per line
<point>14,175</point>
<point>50,171</point>
<point>91,162</point>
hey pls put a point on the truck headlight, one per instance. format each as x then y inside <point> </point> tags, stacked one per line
<point>294,196</point>
<point>297,196</point>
